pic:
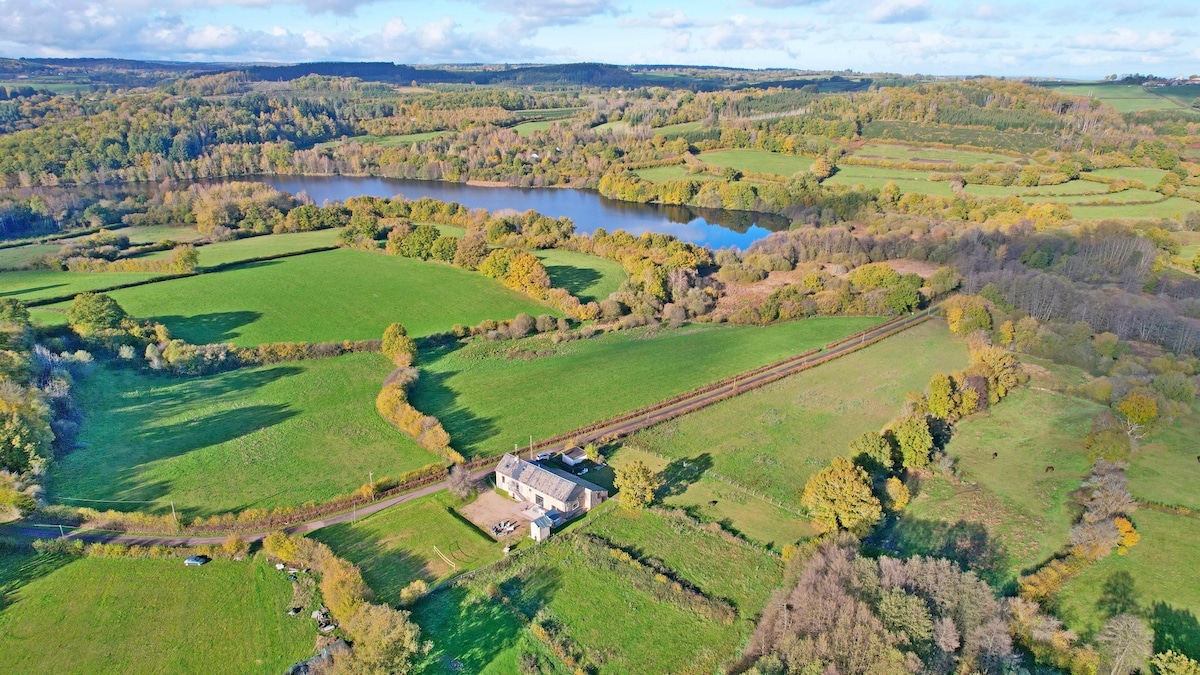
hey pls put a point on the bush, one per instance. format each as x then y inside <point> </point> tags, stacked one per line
<point>410,594</point>
<point>398,346</point>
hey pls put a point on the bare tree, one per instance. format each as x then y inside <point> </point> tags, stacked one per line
<point>1125,643</point>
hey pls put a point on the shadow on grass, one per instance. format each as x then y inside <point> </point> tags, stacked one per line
<point>18,568</point>
<point>1118,595</point>
<point>432,396</point>
<point>1175,629</point>
<point>681,473</point>
<point>468,631</point>
<point>35,289</point>
<point>386,570</point>
<point>575,279</point>
<point>208,328</point>
<point>966,543</point>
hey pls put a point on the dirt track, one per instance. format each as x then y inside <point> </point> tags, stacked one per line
<point>609,429</point>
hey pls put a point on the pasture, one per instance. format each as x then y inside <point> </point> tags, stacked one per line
<point>528,128</point>
<point>872,177</point>
<point>155,233</point>
<point>119,616</point>
<point>250,438</point>
<point>1174,207</point>
<point>333,295</point>
<point>236,250</point>
<point>387,141</point>
<point>1156,579</point>
<point>29,285</point>
<point>1013,512</point>
<point>662,174</point>
<point>907,153</point>
<point>1148,176</point>
<point>397,546</point>
<point>681,128</point>
<point>1165,469</point>
<point>757,161</point>
<point>587,277</point>
<point>20,256</point>
<point>772,439</point>
<point>1123,97</point>
<point>487,401</point>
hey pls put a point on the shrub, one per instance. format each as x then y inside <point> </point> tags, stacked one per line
<point>398,346</point>
<point>90,312</point>
<point>410,594</point>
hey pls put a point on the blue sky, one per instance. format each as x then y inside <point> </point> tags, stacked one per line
<point>999,37</point>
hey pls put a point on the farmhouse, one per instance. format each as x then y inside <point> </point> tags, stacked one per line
<point>557,493</point>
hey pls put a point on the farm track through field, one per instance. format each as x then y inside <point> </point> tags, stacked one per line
<point>613,428</point>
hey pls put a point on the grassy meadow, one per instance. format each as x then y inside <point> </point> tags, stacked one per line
<point>250,438</point>
<point>122,616</point>
<point>906,153</point>
<point>757,161</point>
<point>772,439</point>
<point>334,295</point>
<point>661,174</point>
<point>396,547</point>
<point>488,401</point>
<point>41,284</point>
<point>236,250</point>
<point>1123,97</point>
<point>587,277</point>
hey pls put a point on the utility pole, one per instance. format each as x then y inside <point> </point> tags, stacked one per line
<point>173,516</point>
<point>530,447</point>
<point>371,482</point>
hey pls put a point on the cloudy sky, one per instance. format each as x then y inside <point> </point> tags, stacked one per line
<point>1067,38</point>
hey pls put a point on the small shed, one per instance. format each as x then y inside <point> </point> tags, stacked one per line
<point>539,530</point>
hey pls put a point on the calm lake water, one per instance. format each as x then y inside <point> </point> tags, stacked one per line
<point>715,228</point>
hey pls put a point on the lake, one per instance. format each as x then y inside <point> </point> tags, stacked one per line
<point>716,228</point>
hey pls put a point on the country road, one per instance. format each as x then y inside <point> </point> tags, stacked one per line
<point>622,425</point>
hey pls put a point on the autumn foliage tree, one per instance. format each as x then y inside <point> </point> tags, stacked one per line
<point>1137,410</point>
<point>398,346</point>
<point>914,440</point>
<point>636,484</point>
<point>839,497</point>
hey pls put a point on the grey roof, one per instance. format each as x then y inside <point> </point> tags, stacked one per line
<point>556,484</point>
<point>543,521</point>
<point>577,480</point>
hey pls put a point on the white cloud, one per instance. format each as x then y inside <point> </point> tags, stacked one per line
<point>1126,40</point>
<point>899,11</point>
<point>740,32</point>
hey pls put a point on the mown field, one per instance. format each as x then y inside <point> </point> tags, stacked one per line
<point>250,438</point>
<point>397,546</point>
<point>488,401</point>
<point>1175,207</point>
<point>772,439</point>
<point>907,180</point>
<point>19,256</point>
<point>334,295</point>
<point>117,616</point>
<point>587,277</point>
<point>661,174</point>
<point>483,635</point>
<point>757,161</point>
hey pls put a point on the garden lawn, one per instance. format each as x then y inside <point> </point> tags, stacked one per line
<point>124,616</point>
<point>488,402</point>
<point>250,438</point>
<point>772,439</point>
<point>42,284</point>
<point>587,277</point>
<point>1162,571</point>
<point>1025,511</point>
<point>333,295</point>
<point>758,161</point>
<point>396,546</point>
<point>905,153</point>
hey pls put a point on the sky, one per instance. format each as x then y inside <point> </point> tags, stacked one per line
<point>1050,38</point>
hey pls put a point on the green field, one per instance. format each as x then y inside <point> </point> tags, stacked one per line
<point>619,127</point>
<point>95,615</point>
<point>47,317</point>
<point>528,128</point>
<point>397,546</point>
<point>225,252</point>
<point>1165,469</point>
<point>661,174</point>
<point>1175,207</point>
<point>772,439</point>
<point>387,141</point>
<point>41,284</point>
<point>905,153</point>
<point>1123,97</point>
<point>156,233</point>
<point>758,161</point>
<point>334,295</point>
<point>487,401</point>
<point>714,501</point>
<point>1162,569</point>
<point>872,177</point>
<point>1148,176</point>
<point>598,608</point>
<point>19,256</point>
<point>250,438</point>
<point>587,277</point>
<point>1044,192</point>
<point>681,128</point>
<point>1024,511</point>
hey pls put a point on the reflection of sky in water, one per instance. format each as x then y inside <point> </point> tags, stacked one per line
<point>711,227</point>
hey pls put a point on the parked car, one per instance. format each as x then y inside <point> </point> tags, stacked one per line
<point>581,471</point>
<point>543,456</point>
<point>196,560</point>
